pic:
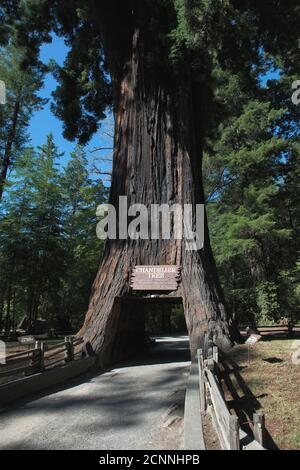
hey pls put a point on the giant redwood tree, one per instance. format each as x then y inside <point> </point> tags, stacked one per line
<point>156,62</point>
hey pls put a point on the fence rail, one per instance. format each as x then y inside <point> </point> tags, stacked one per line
<point>284,328</point>
<point>42,357</point>
<point>226,425</point>
<point>212,401</point>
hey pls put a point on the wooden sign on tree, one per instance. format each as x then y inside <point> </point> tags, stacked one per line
<point>155,278</point>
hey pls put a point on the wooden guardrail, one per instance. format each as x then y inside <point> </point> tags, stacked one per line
<point>212,401</point>
<point>226,425</point>
<point>40,358</point>
<point>284,328</point>
<point>193,428</point>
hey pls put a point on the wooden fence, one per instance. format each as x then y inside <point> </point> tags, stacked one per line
<point>276,329</point>
<point>40,358</point>
<point>212,400</point>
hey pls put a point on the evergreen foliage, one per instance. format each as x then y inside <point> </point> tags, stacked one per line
<point>48,246</point>
<point>22,100</point>
<point>251,169</point>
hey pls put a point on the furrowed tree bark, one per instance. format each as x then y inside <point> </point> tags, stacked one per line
<point>157,160</point>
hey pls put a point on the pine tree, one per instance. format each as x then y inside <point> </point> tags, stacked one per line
<point>83,250</point>
<point>31,239</point>
<point>22,100</point>
<point>14,239</point>
<point>249,166</point>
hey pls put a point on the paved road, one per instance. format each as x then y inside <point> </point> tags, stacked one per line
<point>138,405</point>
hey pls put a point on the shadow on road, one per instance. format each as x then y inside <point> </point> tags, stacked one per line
<point>163,351</point>
<point>122,397</point>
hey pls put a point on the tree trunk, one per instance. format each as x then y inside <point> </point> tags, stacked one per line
<point>9,144</point>
<point>1,314</point>
<point>157,160</point>
<point>8,308</point>
<point>13,322</point>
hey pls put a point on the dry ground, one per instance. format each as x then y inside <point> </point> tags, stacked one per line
<point>269,383</point>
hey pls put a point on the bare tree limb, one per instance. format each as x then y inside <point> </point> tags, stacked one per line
<point>97,149</point>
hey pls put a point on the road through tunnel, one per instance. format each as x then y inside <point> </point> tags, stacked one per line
<point>145,323</point>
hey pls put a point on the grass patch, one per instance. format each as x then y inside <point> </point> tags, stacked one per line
<point>274,383</point>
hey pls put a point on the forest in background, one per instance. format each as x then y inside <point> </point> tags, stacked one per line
<point>49,253</point>
<point>49,250</point>
<point>252,180</point>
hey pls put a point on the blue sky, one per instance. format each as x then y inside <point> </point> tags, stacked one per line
<point>272,75</point>
<point>43,121</point>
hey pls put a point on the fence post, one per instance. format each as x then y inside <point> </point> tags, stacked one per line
<point>201,381</point>
<point>216,354</point>
<point>234,433</point>
<point>210,364</point>
<point>42,357</point>
<point>35,355</point>
<point>259,427</point>
<point>69,349</point>
<point>67,345</point>
<point>205,345</point>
